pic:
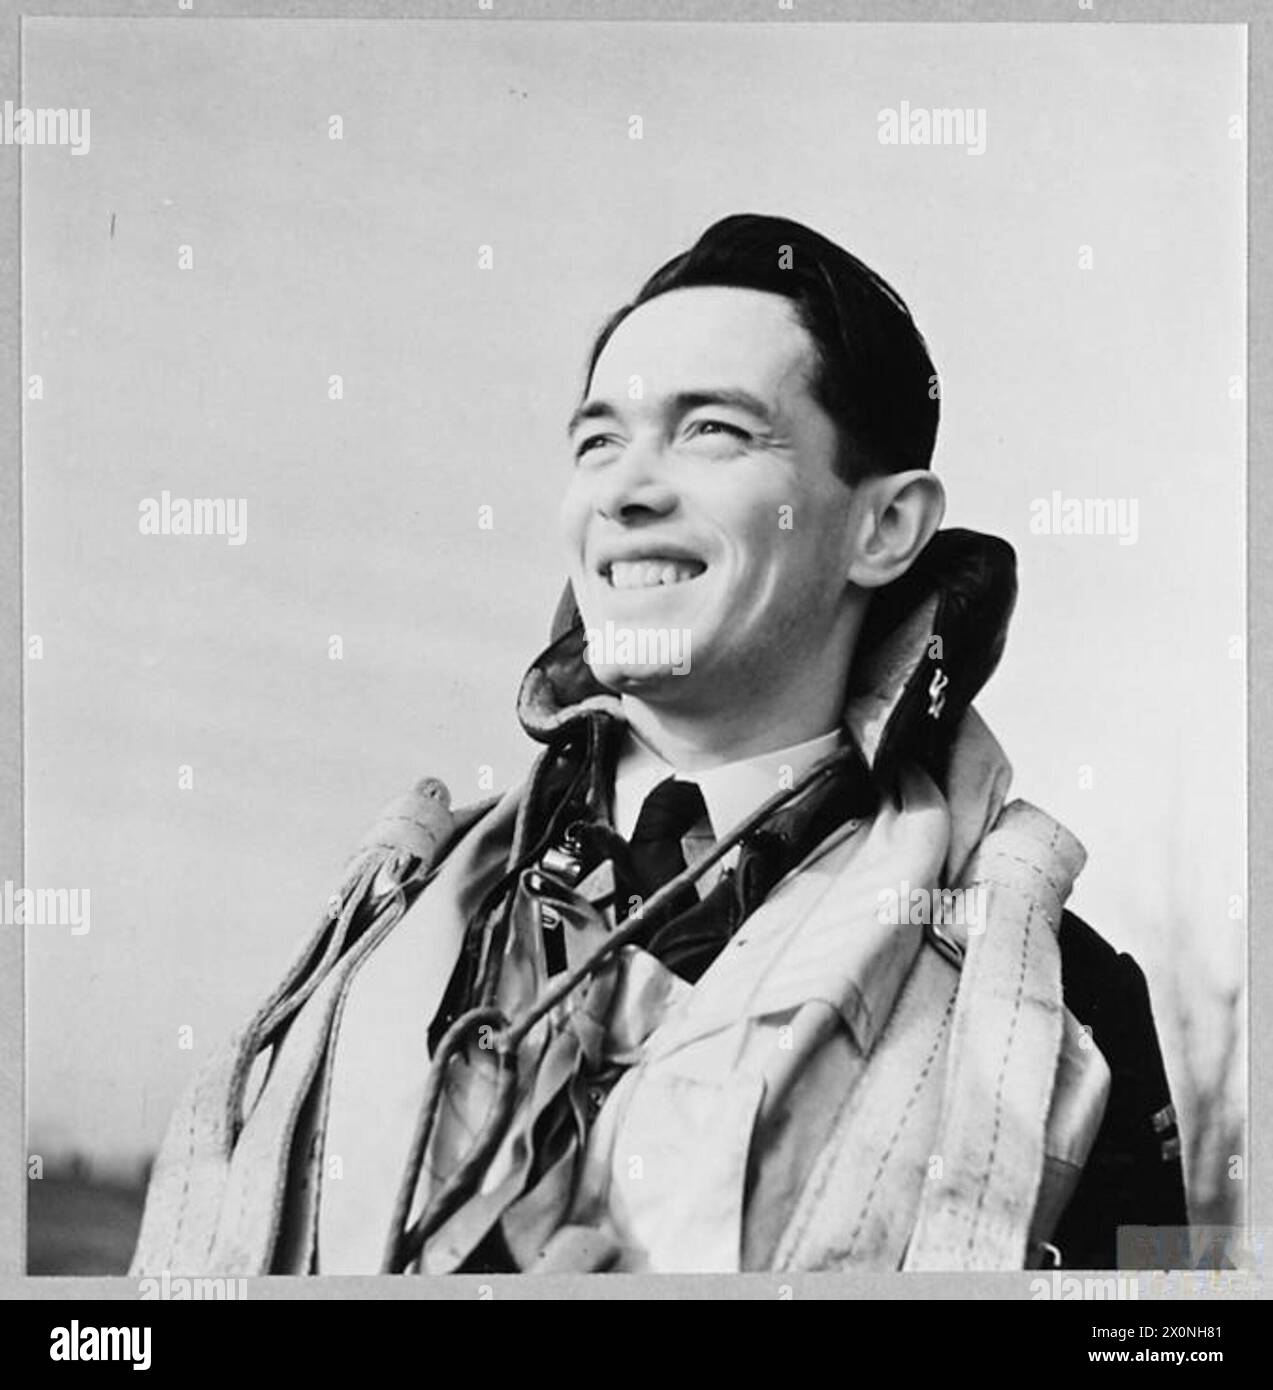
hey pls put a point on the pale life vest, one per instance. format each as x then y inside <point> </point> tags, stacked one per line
<point>837,1091</point>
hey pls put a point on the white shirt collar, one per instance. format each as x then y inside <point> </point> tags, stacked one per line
<point>731,791</point>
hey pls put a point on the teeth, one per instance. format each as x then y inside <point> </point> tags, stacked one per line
<point>648,574</point>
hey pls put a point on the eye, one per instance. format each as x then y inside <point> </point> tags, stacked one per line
<point>590,444</point>
<point>717,428</point>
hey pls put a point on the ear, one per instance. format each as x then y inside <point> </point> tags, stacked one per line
<point>900,512</point>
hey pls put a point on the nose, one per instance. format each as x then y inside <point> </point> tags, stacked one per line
<point>635,485</point>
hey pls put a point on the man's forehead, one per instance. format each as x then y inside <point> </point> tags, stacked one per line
<point>718,335</point>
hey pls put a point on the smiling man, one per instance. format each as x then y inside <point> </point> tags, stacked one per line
<point>709,496</point>
<point>705,993</point>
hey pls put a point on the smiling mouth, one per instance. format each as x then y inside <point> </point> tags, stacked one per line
<point>652,573</point>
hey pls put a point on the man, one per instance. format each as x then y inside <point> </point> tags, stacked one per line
<point>758,970</point>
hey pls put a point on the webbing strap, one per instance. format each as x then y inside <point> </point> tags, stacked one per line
<point>199,1198</point>
<point>1005,1042</point>
<point>858,1206</point>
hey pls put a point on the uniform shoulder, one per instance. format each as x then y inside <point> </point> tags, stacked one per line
<point>1095,978</point>
<point>1134,1175</point>
<point>1108,994</point>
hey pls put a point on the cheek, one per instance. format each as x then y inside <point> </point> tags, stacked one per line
<point>572,517</point>
<point>766,536</point>
<point>792,554</point>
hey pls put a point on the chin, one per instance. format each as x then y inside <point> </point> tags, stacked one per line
<point>647,682</point>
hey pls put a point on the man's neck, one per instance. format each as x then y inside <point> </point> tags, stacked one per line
<point>784,699</point>
<point>691,743</point>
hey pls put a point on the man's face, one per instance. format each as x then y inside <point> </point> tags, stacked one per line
<point>703,497</point>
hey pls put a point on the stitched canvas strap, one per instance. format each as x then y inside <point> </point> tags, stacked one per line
<point>1004,1047</point>
<point>198,1180</point>
<point>858,1206</point>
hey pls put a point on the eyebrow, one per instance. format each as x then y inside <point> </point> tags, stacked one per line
<point>680,404</point>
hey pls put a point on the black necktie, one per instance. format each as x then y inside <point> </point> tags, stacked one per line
<point>667,814</point>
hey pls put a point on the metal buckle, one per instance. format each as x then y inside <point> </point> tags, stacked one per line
<point>564,862</point>
<point>945,944</point>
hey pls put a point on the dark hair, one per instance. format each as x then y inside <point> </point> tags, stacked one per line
<point>874,376</point>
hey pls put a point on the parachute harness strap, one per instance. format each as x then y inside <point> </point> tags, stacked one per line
<point>406,1239</point>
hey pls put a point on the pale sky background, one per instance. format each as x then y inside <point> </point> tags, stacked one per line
<point>360,257</point>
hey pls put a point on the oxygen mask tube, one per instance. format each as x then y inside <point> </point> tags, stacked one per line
<point>406,1240</point>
